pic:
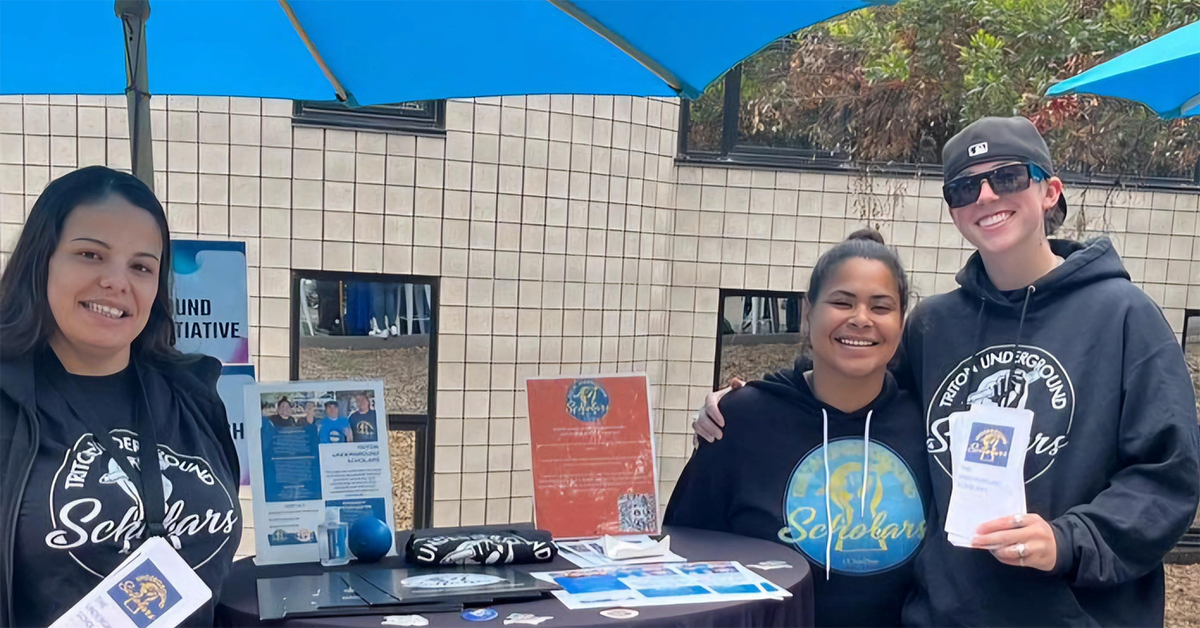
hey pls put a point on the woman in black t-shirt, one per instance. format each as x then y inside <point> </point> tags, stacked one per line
<point>90,370</point>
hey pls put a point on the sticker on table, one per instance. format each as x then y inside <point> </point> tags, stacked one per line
<point>768,565</point>
<point>450,580</point>
<point>524,618</point>
<point>480,614</point>
<point>619,613</point>
<point>404,620</point>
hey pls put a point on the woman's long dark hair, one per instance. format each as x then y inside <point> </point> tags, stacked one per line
<point>26,322</point>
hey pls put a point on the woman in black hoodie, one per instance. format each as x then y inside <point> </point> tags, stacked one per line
<point>108,435</point>
<point>837,448</point>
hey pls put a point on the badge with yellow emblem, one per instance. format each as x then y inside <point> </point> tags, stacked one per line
<point>153,588</point>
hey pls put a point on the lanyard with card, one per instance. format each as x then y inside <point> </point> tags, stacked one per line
<point>153,588</point>
<point>987,447</point>
<point>153,504</point>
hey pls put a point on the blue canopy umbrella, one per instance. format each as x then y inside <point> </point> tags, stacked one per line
<point>366,52</point>
<point>1164,74</point>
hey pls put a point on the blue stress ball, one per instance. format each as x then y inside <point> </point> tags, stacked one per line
<point>369,539</point>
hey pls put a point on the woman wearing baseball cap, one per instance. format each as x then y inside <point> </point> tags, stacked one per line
<point>1056,327</point>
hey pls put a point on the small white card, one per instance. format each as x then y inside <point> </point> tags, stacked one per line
<point>153,588</point>
<point>638,546</point>
<point>987,447</point>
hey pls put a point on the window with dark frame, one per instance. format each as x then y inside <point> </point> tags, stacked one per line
<point>714,128</point>
<point>758,332</point>
<point>722,128</point>
<point>421,117</point>
<point>373,326</point>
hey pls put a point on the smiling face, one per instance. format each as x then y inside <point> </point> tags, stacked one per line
<point>103,278</point>
<point>996,224</point>
<point>855,322</point>
<point>362,402</point>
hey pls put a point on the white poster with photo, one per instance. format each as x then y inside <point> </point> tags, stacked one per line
<point>313,446</point>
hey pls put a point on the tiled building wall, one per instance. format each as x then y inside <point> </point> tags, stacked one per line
<point>566,238</point>
<point>548,220</point>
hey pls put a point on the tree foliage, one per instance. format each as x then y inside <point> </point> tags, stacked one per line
<point>893,83</point>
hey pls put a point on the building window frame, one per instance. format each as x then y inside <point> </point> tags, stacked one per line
<point>733,154</point>
<point>425,117</point>
<point>726,293</point>
<point>424,425</point>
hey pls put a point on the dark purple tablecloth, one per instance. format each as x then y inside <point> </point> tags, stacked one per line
<point>239,600</point>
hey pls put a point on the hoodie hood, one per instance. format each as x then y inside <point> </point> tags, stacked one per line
<point>1085,263</point>
<point>792,386</point>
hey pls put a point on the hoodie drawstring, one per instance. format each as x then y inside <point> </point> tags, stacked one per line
<point>1020,328</point>
<point>862,507</point>
<point>1024,308</point>
<point>828,515</point>
<point>976,344</point>
<point>862,494</point>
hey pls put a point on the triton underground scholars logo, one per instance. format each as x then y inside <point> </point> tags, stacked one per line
<point>989,444</point>
<point>877,517</point>
<point>144,594</point>
<point>1030,378</point>
<point>587,401</point>
<point>93,502</point>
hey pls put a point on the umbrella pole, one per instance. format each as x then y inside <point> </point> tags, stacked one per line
<point>133,15</point>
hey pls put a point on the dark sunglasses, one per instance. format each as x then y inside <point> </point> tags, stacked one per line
<point>1003,180</point>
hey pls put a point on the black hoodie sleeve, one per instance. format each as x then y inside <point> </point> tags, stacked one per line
<point>705,488</point>
<point>1147,506</point>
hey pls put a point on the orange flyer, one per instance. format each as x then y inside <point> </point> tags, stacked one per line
<point>593,455</point>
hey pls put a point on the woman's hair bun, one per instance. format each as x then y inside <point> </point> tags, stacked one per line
<point>866,233</point>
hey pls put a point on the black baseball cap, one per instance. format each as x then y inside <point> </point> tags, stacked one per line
<point>998,139</point>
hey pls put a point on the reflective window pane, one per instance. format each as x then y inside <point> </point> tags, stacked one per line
<point>760,334</point>
<point>371,329</point>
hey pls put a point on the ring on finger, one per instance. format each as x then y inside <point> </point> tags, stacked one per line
<point>1020,547</point>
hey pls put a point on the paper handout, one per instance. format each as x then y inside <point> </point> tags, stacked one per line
<point>987,445</point>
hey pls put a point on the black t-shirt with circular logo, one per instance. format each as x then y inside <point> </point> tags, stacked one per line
<point>80,516</point>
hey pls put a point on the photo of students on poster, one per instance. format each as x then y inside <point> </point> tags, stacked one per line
<point>291,444</point>
<point>315,447</point>
<point>363,422</point>
<point>334,427</point>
